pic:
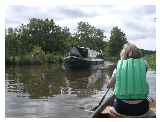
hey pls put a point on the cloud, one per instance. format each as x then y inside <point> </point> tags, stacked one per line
<point>147,43</point>
<point>145,10</point>
<point>19,14</point>
<point>74,12</point>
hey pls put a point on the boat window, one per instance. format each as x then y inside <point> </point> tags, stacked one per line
<point>75,52</point>
<point>83,52</point>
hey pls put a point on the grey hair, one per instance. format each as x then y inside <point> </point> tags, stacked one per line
<point>130,51</point>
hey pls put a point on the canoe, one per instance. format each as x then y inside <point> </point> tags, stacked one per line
<point>102,111</point>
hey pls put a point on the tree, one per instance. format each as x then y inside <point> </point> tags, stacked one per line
<point>11,44</point>
<point>24,38</point>
<point>47,35</point>
<point>116,41</point>
<point>89,36</point>
<point>42,33</point>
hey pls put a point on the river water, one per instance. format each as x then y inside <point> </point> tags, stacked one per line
<point>52,92</point>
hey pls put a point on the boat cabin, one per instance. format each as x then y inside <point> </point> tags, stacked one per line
<point>84,52</point>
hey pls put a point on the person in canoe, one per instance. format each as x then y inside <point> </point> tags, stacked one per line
<point>129,82</point>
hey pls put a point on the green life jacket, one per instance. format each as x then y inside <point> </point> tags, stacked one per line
<point>131,79</point>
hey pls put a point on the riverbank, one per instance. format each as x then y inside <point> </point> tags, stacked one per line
<point>36,59</point>
<point>150,58</point>
<point>41,58</point>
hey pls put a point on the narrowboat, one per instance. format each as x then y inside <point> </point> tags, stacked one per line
<point>82,58</point>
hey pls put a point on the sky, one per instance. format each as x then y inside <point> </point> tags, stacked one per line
<point>138,22</point>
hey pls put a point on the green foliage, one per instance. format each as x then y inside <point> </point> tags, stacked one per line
<point>38,55</point>
<point>89,36</point>
<point>116,42</point>
<point>30,43</point>
<point>54,58</point>
<point>11,45</point>
<point>41,41</point>
<point>151,59</point>
<point>148,52</point>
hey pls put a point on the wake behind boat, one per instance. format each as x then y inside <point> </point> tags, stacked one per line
<point>82,58</point>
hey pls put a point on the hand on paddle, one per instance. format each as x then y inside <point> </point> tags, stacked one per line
<point>112,112</point>
<point>110,83</point>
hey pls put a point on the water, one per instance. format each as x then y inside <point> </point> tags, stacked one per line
<point>50,91</point>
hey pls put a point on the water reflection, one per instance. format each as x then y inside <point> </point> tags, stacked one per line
<point>37,82</point>
<point>82,83</point>
<point>51,91</point>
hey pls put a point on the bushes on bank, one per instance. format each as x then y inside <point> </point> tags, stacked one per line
<point>37,56</point>
<point>151,60</point>
<point>38,59</point>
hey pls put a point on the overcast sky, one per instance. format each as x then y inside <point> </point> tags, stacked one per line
<point>137,22</point>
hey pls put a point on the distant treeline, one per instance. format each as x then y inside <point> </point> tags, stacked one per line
<point>150,56</point>
<point>43,41</point>
<point>148,52</point>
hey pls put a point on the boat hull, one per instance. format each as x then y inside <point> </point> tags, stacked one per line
<point>73,62</point>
